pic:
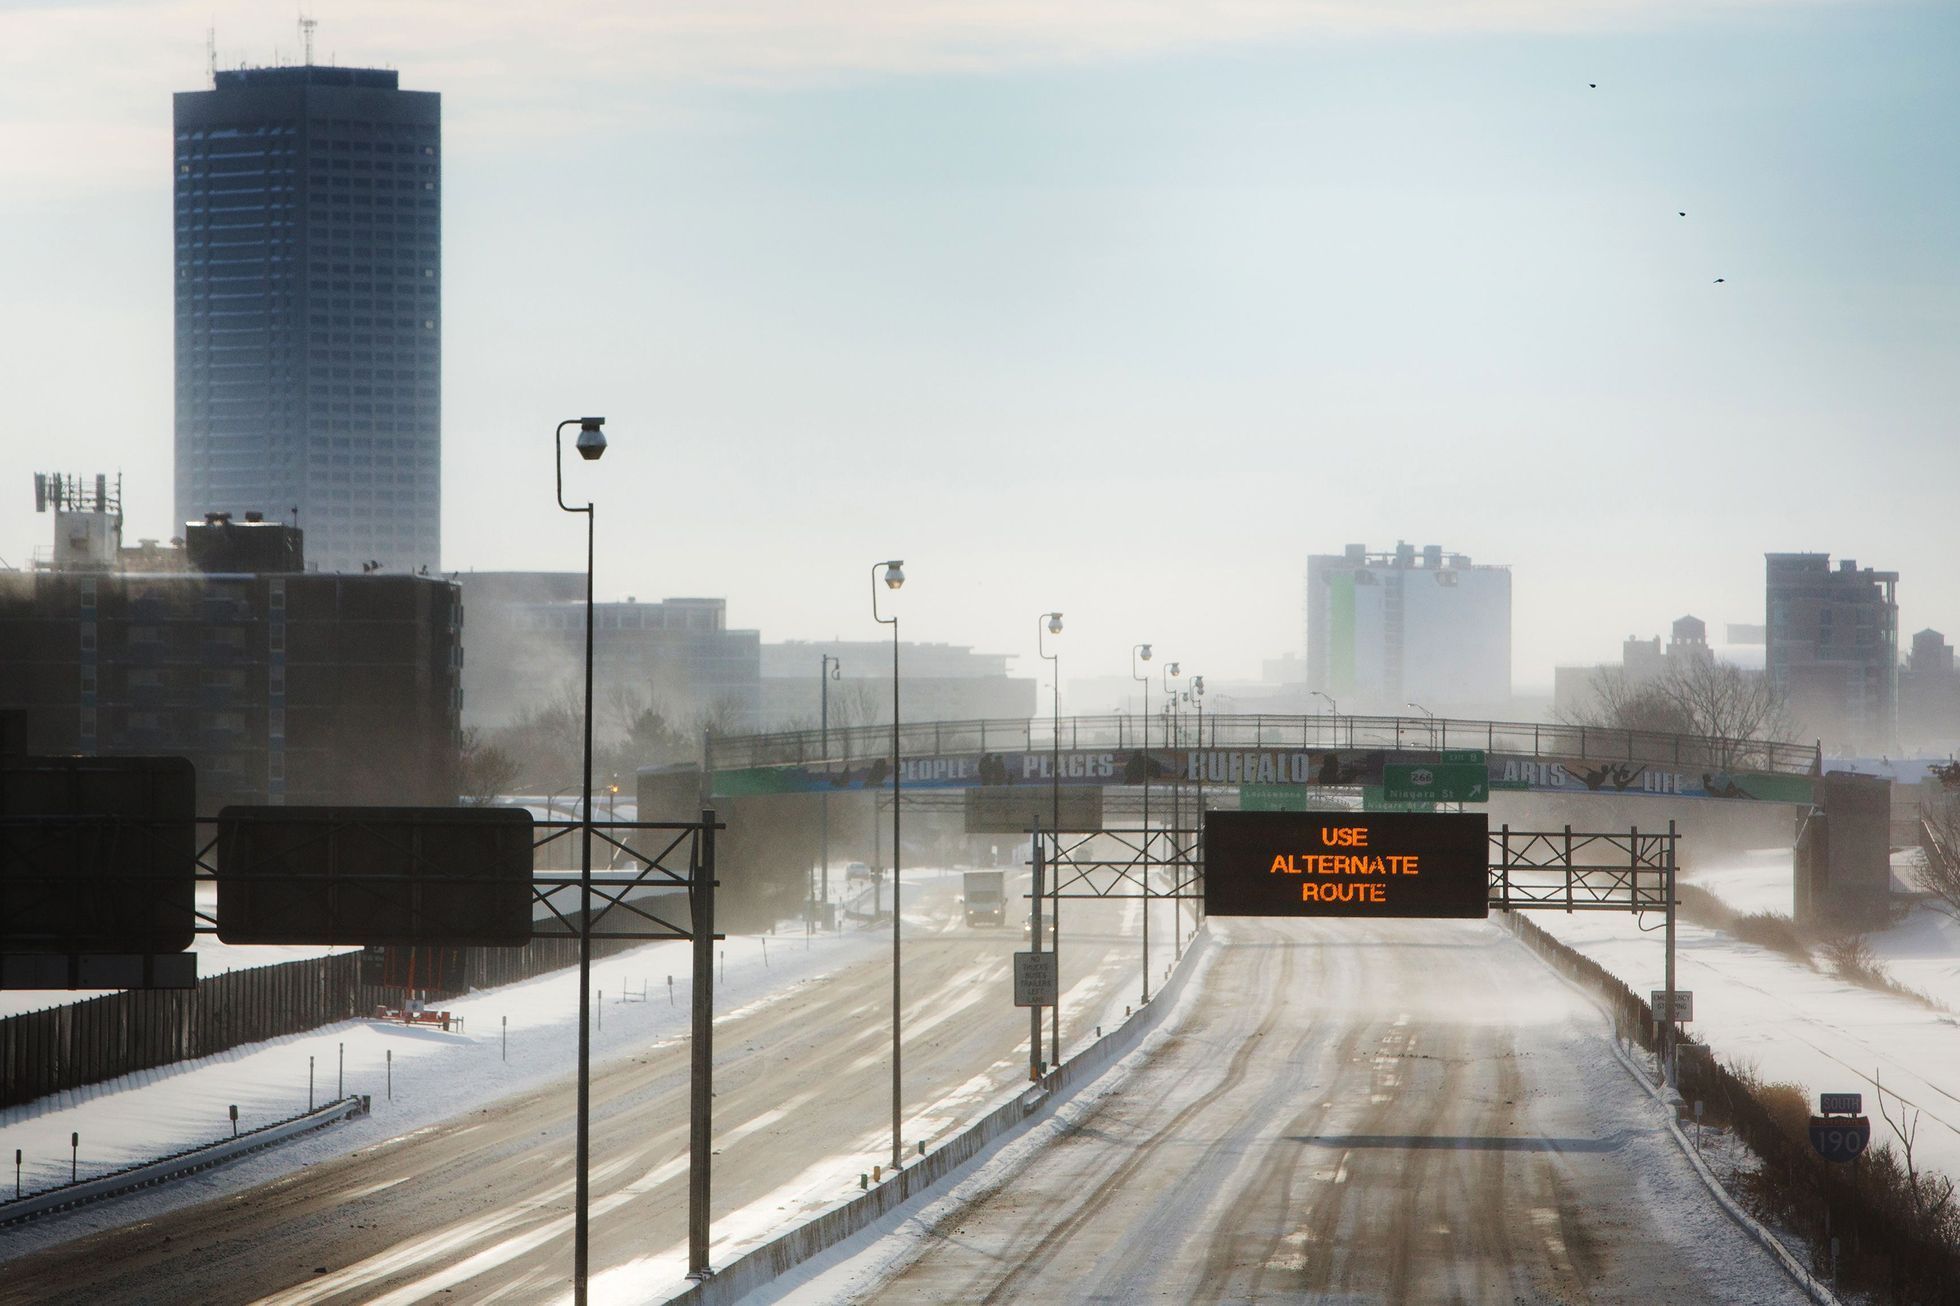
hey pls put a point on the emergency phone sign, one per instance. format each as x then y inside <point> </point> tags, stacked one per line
<point>1347,864</point>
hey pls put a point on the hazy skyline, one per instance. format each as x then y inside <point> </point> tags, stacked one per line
<point>1120,309</point>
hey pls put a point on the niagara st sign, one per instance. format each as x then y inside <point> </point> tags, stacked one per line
<point>1346,864</point>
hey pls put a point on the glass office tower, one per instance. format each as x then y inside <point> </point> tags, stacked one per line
<point>309,321</point>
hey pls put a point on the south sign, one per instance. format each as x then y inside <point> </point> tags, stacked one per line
<point>1347,864</point>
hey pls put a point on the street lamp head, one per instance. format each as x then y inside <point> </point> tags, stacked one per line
<point>591,438</point>
<point>1198,685</point>
<point>1144,652</point>
<point>1054,623</point>
<point>1172,669</point>
<point>836,670</point>
<point>894,574</point>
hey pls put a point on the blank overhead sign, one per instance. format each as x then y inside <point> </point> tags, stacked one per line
<point>97,855</point>
<point>370,875</point>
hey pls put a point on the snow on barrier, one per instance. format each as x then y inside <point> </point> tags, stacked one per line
<point>759,1265</point>
<point>179,1164</point>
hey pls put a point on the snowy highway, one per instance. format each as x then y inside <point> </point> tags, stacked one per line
<point>1347,1111</point>
<point>480,1206</point>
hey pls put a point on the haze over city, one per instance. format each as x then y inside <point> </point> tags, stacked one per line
<point>741,651</point>
<point>1120,311</point>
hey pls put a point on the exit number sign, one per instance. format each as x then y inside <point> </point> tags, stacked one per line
<point>1347,864</point>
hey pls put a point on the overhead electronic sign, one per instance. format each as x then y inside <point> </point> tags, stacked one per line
<point>1347,864</point>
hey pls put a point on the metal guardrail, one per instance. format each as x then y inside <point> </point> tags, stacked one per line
<point>1548,740</point>
<point>176,1166</point>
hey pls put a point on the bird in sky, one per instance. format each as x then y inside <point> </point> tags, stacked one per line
<point>1594,85</point>
<point>1720,280</point>
<point>1681,213</point>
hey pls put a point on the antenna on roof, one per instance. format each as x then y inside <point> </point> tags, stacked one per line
<point>306,26</point>
<point>211,53</point>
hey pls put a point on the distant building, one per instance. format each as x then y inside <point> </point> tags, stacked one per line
<point>1832,647</point>
<point>279,685</point>
<point>308,274</point>
<point>1929,697</point>
<point>939,682</point>
<point>1642,662</point>
<point>1386,629</point>
<point>526,642</point>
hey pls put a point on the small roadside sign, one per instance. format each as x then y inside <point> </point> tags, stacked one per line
<point>1684,1005</point>
<point>1034,979</point>
<point>1840,1138</point>
<point>1841,1104</point>
<point>1467,755</point>
<point>1435,782</point>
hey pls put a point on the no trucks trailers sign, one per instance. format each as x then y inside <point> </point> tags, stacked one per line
<point>1347,864</point>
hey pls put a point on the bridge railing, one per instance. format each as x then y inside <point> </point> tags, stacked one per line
<point>1549,741</point>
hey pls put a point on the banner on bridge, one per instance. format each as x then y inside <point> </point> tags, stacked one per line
<point>1342,768</point>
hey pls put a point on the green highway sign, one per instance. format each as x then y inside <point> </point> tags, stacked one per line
<point>1435,782</point>
<point>1272,798</point>
<point>1475,755</point>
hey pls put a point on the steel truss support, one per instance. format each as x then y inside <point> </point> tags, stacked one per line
<point>1568,870</point>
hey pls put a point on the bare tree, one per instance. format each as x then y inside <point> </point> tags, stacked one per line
<point>856,703</point>
<point>484,772</point>
<point>623,706</point>
<point>547,741</point>
<point>1723,701</point>
<point>1719,701</point>
<point>1622,703</point>
<point>1930,1194</point>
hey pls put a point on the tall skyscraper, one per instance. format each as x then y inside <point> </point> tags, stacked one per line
<point>1388,629</point>
<point>309,320</point>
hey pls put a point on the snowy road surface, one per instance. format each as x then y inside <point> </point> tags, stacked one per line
<point>480,1206</point>
<point>1353,1112</point>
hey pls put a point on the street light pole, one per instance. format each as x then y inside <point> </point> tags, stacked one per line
<point>1050,623</point>
<point>894,577</point>
<point>1335,708</point>
<point>591,443</point>
<point>1171,672</point>
<point>828,670</point>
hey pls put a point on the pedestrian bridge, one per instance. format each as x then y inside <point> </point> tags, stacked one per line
<point>1254,751</point>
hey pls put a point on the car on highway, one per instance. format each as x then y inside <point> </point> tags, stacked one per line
<point>859,871</point>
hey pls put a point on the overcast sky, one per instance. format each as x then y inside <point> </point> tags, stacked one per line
<point>1121,307</point>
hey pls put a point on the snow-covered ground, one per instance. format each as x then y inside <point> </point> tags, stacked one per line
<point>1802,1024</point>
